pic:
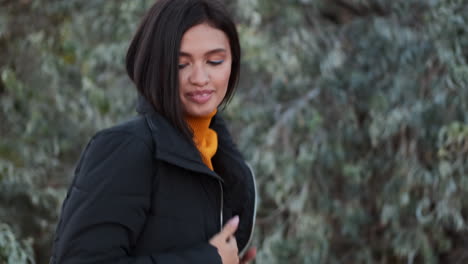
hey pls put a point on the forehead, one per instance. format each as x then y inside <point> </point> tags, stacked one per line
<point>203,38</point>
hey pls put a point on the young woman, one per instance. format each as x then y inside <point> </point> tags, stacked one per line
<point>168,186</point>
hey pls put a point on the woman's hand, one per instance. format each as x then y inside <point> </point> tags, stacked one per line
<point>249,255</point>
<point>226,243</point>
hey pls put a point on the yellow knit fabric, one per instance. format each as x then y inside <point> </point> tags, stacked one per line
<point>205,138</point>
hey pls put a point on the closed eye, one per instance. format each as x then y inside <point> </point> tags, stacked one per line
<point>181,66</point>
<point>215,62</point>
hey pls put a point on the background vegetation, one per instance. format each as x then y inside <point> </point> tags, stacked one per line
<point>354,114</point>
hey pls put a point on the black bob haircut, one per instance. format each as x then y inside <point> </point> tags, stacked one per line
<point>153,55</point>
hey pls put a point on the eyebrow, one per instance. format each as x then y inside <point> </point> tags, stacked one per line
<point>185,54</point>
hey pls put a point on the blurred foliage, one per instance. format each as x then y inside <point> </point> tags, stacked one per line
<point>11,250</point>
<point>354,114</point>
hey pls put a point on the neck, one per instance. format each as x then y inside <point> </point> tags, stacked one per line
<point>205,139</point>
<point>200,124</point>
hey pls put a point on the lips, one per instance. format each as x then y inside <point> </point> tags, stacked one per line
<point>200,97</point>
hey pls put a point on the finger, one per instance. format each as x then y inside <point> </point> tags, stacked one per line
<point>232,240</point>
<point>249,255</point>
<point>232,244</point>
<point>230,227</point>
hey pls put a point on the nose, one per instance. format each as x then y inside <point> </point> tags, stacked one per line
<point>199,76</point>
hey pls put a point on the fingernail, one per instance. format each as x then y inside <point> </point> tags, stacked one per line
<point>234,220</point>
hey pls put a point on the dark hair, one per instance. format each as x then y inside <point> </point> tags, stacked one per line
<point>153,55</point>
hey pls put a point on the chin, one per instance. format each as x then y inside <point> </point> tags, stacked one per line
<point>200,113</point>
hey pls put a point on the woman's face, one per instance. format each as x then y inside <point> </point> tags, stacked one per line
<point>204,69</point>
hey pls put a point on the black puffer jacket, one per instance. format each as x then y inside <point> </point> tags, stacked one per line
<point>141,194</point>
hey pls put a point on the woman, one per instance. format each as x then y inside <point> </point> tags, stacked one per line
<point>168,186</point>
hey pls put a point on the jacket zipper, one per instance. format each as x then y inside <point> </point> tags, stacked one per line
<point>254,214</point>
<point>242,252</point>
<point>222,205</point>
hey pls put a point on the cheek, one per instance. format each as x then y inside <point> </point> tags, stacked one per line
<point>181,77</point>
<point>182,81</point>
<point>224,77</point>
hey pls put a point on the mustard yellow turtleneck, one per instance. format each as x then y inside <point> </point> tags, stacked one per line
<point>205,138</point>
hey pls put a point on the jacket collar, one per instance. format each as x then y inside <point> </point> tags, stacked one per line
<point>171,145</point>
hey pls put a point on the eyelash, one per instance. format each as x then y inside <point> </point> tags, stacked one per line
<point>214,63</point>
<point>218,62</point>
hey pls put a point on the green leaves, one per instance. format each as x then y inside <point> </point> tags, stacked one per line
<point>378,162</point>
<point>353,114</point>
<point>13,250</point>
